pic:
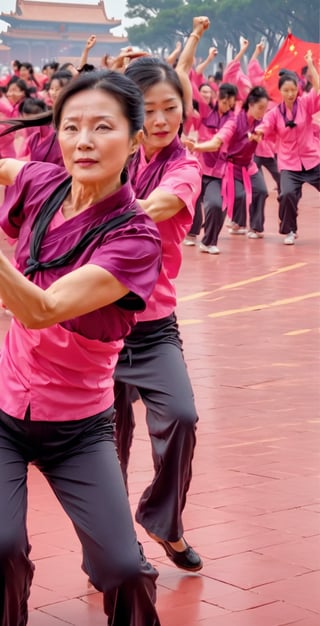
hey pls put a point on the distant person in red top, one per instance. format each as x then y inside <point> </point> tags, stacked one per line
<point>50,68</point>
<point>15,65</point>
<point>26,72</point>
<point>17,91</point>
<point>57,81</point>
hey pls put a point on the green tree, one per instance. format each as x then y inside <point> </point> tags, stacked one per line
<point>165,21</point>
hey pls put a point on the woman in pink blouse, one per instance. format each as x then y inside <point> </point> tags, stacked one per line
<point>166,179</point>
<point>88,259</point>
<point>298,147</point>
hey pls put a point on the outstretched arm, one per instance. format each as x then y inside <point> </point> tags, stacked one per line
<point>84,57</point>
<point>202,66</point>
<point>212,145</point>
<point>9,170</point>
<point>173,56</point>
<point>315,79</point>
<point>184,65</point>
<point>66,298</point>
<point>243,48</point>
<point>125,57</point>
<point>258,50</point>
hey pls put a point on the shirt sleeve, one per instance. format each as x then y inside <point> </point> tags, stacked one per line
<point>311,102</point>
<point>255,73</point>
<point>182,178</point>
<point>234,74</point>
<point>27,194</point>
<point>227,130</point>
<point>269,125</point>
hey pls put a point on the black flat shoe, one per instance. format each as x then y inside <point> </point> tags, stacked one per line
<point>189,559</point>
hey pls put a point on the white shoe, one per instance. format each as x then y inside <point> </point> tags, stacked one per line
<point>254,234</point>
<point>190,241</point>
<point>209,249</point>
<point>290,239</point>
<point>237,230</point>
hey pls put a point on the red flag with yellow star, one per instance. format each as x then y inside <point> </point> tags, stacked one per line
<point>290,56</point>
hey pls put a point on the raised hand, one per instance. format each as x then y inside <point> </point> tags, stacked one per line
<point>92,40</point>
<point>200,24</point>
<point>260,47</point>
<point>213,52</point>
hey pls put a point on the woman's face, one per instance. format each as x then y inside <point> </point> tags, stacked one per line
<point>95,141</point>
<point>258,109</point>
<point>225,104</point>
<point>54,89</point>
<point>206,93</point>
<point>289,92</point>
<point>163,116</point>
<point>15,94</point>
<point>24,73</point>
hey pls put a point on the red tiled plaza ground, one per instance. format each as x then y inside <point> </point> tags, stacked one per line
<point>250,324</point>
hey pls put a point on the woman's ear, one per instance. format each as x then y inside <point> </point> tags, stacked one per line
<point>136,141</point>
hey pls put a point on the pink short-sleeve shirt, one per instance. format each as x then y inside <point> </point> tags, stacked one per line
<point>182,178</point>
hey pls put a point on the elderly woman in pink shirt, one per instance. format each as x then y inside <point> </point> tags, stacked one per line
<point>298,148</point>
<point>88,259</point>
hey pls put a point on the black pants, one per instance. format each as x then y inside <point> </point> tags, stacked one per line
<point>152,361</point>
<point>271,164</point>
<point>214,216</point>
<point>291,191</point>
<point>256,209</point>
<point>80,464</point>
<point>198,217</point>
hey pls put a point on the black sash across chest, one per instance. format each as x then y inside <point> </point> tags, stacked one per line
<point>42,221</point>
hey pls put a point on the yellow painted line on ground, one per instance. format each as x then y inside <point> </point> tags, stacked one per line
<point>260,307</point>
<point>302,331</point>
<point>195,296</point>
<point>251,443</point>
<point>255,279</point>
<point>248,281</point>
<point>285,364</point>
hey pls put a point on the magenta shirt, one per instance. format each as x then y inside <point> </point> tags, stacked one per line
<point>210,123</point>
<point>240,150</point>
<point>297,147</point>
<point>7,147</point>
<point>65,372</point>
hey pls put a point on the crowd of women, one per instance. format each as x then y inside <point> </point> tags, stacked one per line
<point>108,184</point>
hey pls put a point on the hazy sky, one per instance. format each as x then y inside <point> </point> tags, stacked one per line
<point>114,8</point>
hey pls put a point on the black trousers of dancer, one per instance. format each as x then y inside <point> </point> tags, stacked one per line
<point>198,216</point>
<point>152,361</point>
<point>291,191</point>
<point>80,464</point>
<point>214,215</point>
<point>270,164</point>
<point>256,209</point>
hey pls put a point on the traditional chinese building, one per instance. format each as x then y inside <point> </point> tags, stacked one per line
<point>43,31</point>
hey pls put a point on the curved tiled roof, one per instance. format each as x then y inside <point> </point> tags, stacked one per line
<point>31,11</point>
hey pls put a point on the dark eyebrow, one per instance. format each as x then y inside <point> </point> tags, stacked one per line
<point>171,99</point>
<point>96,117</point>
